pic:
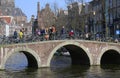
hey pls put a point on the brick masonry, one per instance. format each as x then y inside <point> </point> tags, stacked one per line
<point>43,51</point>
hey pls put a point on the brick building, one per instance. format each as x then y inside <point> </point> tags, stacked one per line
<point>6,25</point>
<point>45,17</point>
<point>62,19</point>
<point>113,17</point>
<point>13,17</point>
<point>97,16</point>
<point>74,11</point>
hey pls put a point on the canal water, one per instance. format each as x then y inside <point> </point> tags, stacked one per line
<point>16,67</point>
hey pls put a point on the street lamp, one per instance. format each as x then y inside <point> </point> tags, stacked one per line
<point>94,13</point>
<point>94,23</point>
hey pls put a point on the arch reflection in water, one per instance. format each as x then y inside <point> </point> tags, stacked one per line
<point>21,60</point>
<point>16,61</point>
<point>76,56</point>
<point>110,60</point>
<point>110,57</point>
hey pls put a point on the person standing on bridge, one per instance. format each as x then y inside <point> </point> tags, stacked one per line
<point>15,35</point>
<point>21,36</point>
<point>46,34</point>
<point>62,33</point>
<point>50,33</point>
<point>53,32</point>
<point>71,34</point>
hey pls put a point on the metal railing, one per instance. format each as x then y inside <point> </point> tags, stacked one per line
<point>37,38</point>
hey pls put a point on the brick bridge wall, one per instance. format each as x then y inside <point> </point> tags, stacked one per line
<point>43,51</point>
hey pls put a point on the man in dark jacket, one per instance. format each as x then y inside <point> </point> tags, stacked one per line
<point>15,34</point>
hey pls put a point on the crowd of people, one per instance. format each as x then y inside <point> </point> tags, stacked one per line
<point>47,33</point>
<point>52,33</point>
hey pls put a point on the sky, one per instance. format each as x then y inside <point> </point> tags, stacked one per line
<point>29,7</point>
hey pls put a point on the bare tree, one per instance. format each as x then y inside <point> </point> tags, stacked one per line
<point>69,1</point>
<point>55,8</point>
<point>104,22</point>
<point>73,13</point>
<point>72,1</point>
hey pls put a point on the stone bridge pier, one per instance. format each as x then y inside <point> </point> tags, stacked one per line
<point>40,54</point>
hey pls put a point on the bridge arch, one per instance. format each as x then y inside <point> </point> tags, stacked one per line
<point>32,57</point>
<point>74,44</point>
<point>106,50</point>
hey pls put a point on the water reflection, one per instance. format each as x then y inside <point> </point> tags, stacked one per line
<point>111,67</point>
<point>60,61</point>
<point>16,61</point>
<point>68,72</point>
<point>60,68</point>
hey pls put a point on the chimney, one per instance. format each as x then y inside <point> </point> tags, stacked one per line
<point>38,6</point>
<point>38,10</point>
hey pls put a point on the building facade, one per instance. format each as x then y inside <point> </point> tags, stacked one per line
<point>7,25</point>
<point>62,19</point>
<point>97,16</point>
<point>74,11</point>
<point>113,17</point>
<point>12,18</point>
<point>45,17</point>
<point>107,17</point>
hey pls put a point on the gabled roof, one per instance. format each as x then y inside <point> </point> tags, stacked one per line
<point>7,19</point>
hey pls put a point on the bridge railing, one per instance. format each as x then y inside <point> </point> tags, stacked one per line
<point>37,38</point>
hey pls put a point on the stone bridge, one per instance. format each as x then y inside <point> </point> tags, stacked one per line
<point>39,54</point>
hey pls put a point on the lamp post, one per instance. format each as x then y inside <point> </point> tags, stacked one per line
<point>94,23</point>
